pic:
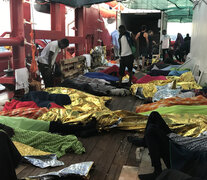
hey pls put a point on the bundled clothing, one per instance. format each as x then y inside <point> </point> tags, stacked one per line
<point>158,65</point>
<point>85,79</point>
<point>158,73</point>
<point>97,89</point>
<point>85,87</point>
<point>189,155</point>
<point>44,99</point>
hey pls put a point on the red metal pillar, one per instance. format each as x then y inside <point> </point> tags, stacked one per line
<point>79,24</point>
<point>13,41</point>
<point>57,12</point>
<point>17,30</point>
<point>27,28</point>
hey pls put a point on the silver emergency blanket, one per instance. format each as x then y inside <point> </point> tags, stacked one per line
<point>79,169</point>
<point>116,123</point>
<point>139,93</point>
<point>164,92</point>
<point>189,94</point>
<point>44,161</point>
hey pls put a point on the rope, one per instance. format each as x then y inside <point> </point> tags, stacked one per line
<point>33,67</point>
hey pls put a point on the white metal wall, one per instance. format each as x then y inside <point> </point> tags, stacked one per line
<point>199,36</point>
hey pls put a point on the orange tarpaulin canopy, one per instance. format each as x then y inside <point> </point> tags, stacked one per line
<point>105,13</point>
<point>115,5</point>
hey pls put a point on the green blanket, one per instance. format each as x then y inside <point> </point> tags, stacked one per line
<point>181,109</point>
<point>25,123</point>
<point>48,142</point>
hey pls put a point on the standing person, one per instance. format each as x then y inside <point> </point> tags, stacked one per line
<point>165,42</point>
<point>185,48</point>
<point>178,43</point>
<point>187,38</point>
<point>142,38</point>
<point>127,58</point>
<point>47,59</point>
<point>115,42</point>
<point>150,34</point>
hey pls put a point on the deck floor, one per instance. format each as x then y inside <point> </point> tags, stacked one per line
<point>109,150</point>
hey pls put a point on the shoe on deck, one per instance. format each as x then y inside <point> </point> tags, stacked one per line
<point>139,142</point>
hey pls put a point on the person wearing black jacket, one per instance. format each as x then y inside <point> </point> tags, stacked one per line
<point>186,154</point>
<point>142,38</point>
<point>9,155</point>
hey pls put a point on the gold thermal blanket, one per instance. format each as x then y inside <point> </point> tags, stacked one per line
<point>26,150</point>
<point>85,106</point>
<point>187,124</point>
<point>186,81</point>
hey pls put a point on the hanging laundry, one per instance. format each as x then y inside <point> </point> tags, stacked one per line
<point>21,78</point>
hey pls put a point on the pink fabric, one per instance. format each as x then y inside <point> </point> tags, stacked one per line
<point>15,104</point>
<point>114,70</point>
<point>148,78</point>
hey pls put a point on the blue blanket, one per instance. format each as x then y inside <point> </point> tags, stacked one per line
<point>100,75</point>
<point>177,73</point>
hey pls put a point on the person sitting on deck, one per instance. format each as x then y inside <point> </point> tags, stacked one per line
<point>186,154</point>
<point>46,62</point>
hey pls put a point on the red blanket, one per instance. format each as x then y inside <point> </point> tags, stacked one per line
<point>15,104</point>
<point>148,78</point>
<point>32,113</point>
